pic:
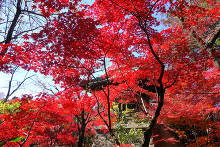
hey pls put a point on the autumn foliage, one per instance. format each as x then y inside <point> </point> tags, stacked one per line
<point>161,54</point>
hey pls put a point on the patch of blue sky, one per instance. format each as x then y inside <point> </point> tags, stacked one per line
<point>88,2</point>
<point>160,17</point>
<point>37,83</point>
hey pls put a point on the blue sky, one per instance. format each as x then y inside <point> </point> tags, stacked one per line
<point>33,86</point>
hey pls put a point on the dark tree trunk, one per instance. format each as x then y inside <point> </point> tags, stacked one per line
<point>82,129</point>
<point>148,133</point>
<point>81,137</point>
<point>12,27</point>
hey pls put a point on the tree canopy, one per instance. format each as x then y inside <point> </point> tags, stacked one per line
<point>161,54</point>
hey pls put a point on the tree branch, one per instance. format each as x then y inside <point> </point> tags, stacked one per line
<point>12,27</point>
<point>9,85</point>
<point>31,12</point>
<point>9,93</point>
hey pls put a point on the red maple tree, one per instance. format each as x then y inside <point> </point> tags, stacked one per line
<point>122,42</point>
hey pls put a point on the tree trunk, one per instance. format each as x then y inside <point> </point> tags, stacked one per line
<point>81,136</point>
<point>82,129</point>
<point>12,27</point>
<point>148,133</point>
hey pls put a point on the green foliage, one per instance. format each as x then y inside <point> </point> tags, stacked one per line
<point>217,42</point>
<point>16,139</point>
<point>2,143</point>
<point>129,136</point>
<point>141,120</point>
<point>8,107</point>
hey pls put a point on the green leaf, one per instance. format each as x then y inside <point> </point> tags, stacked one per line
<point>16,139</point>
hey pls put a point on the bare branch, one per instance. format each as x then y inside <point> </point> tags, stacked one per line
<point>9,84</point>
<point>9,93</point>
<point>32,12</point>
<point>21,33</point>
<point>20,84</point>
<point>12,27</point>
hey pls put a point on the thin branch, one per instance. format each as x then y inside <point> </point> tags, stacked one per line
<point>16,36</point>
<point>9,93</point>
<point>98,109</point>
<point>175,80</point>
<point>127,10</point>
<point>4,22</point>
<point>26,31</point>
<point>9,85</point>
<point>32,12</point>
<point>20,84</point>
